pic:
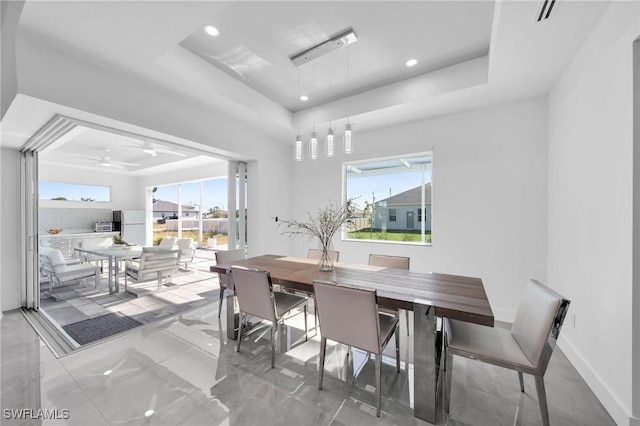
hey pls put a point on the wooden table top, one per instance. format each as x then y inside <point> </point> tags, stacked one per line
<point>453,296</point>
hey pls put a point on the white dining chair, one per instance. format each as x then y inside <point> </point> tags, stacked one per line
<point>526,348</point>
<point>223,257</point>
<point>350,316</point>
<point>256,297</point>
<point>395,262</point>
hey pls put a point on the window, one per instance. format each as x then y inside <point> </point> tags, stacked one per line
<point>59,191</point>
<point>388,192</point>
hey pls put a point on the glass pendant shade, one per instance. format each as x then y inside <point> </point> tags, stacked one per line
<point>330,144</point>
<point>313,146</point>
<point>298,149</point>
<point>348,139</point>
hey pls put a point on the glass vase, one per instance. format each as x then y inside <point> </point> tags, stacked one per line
<point>325,264</point>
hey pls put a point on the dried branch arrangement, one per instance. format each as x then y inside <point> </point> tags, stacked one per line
<point>323,225</point>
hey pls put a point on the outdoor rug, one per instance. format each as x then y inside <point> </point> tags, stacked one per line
<point>97,328</point>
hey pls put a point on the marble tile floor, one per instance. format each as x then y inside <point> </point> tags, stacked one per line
<point>184,371</point>
<point>190,288</point>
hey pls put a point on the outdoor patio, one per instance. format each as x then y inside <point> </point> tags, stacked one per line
<point>188,289</point>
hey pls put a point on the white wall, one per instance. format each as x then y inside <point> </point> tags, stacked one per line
<point>10,14</point>
<point>10,229</point>
<point>590,206</point>
<point>489,195</point>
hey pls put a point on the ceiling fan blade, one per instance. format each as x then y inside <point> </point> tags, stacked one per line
<point>124,163</point>
<point>88,157</point>
<point>169,151</point>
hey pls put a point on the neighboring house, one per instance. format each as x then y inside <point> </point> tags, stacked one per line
<point>404,210</point>
<point>167,209</point>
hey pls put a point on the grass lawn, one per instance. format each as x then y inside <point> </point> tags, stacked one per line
<point>389,235</point>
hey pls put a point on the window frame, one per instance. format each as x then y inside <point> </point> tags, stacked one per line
<point>426,235</point>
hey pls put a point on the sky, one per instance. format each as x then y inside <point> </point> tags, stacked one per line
<point>381,186</point>
<point>214,193</point>
<point>215,190</point>
<point>71,191</point>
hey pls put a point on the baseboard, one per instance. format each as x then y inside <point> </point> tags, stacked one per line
<point>616,409</point>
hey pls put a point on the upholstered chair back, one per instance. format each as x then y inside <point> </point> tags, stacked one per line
<point>339,306</point>
<point>534,319</point>
<point>316,254</point>
<point>395,262</point>
<point>254,292</point>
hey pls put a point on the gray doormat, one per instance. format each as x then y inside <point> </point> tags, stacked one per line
<point>97,328</point>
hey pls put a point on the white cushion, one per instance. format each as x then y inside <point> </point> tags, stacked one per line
<point>54,255</point>
<point>168,242</point>
<point>489,343</point>
<point>71,272</point>
<point>185,243</point>
<point>158,249</point>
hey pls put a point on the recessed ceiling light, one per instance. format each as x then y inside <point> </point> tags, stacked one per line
<point>304,98</point>
<point>211,30</point>
<point>411,62</point>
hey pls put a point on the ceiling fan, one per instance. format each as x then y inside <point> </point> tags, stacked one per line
<point>106,161</point>
<point>151,148</point>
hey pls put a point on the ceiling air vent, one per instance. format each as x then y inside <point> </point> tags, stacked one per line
<point>545,10</point>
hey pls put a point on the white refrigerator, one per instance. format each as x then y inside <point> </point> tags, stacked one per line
<point>132,225</point>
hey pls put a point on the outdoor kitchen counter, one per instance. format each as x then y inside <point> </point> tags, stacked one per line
<point>68,240</point>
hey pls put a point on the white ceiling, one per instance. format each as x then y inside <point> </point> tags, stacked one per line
<point>471,54</point>
<point>257,40</point>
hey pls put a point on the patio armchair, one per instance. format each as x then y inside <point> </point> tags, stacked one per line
<point>88,243</point>
<point>60,270</point>
<point>154,263</point>
<point>168,242</point>
<point>187,250</point>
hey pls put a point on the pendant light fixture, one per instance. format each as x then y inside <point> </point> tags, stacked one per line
<point>329,141</point>
<point>348,135</point>
<point>298,146</point>
<point>313,140</point>
<point>345,38</point>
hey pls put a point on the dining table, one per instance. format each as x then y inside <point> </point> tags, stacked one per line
<point>429,295</point>
<point>114,255</point>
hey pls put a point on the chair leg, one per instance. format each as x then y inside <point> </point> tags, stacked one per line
<point>323,349</point>
<point>521,378</point>
<point>315,316</point>
<point>448,369</point>
<point>243,316</point>
<point>542,400</point>
<point>221,297</point>
<point>378,383</point>
<point>274,329</point>
<point>397,333</point>
<point>306,330</point>
<point>406,312</point>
